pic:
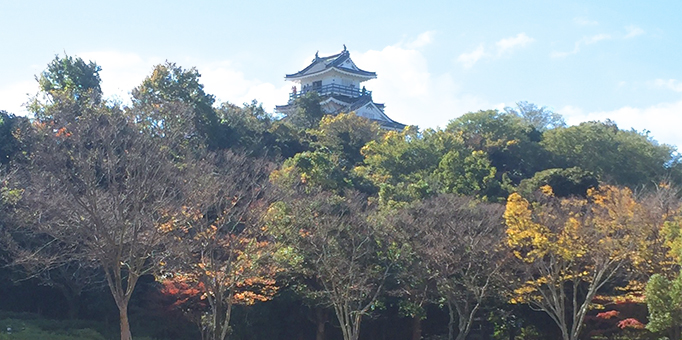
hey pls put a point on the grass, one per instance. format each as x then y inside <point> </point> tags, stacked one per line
<point>21,329</point>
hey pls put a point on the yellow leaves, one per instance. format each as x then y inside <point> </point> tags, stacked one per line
<point>522,232</point>
<point>570,244</point>
<point>547,190</point>
<point>572,238</point>
<point>167,226</point>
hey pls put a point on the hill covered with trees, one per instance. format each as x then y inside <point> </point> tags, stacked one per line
<point>177,218</point>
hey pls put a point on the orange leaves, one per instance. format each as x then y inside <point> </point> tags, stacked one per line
<point>630,323</point>
<point>255,289</point>
<point>608,315</point>
<point>63,133</point>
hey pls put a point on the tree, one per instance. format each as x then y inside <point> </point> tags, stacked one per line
<point>68,77</point>
<point>222,247</point>
<point>332,241</point>
<point>247,128</point>
<point>402,164</point>
<point>512,145</point>
<point>541,118</point>
<point>104,190</point>
<point>564,182</point>
<point>664,301</point>
<point>170,86</point>
<point>457,243</point>
<point>469,173</point>
<point>346,134</point>
<point>308,112</point>
<point>616,156</point>
<point>14,138</point>
<point>568,249</point>
<point>664,288</point>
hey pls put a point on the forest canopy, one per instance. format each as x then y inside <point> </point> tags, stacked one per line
<point>183,218</point>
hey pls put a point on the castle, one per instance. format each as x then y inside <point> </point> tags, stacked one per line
<point>337,80</point>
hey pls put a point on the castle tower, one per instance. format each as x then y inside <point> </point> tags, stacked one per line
<point>338,82</point>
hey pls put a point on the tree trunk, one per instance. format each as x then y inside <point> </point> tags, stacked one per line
<point>125,325</point>
<point>416,328</point>
<point>451,323</point>
<point>321,320</point>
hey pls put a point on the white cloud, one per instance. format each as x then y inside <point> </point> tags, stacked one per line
<point>633,31</point>
<point>229,85</point>
<point>502,47</point>
<point>578,45</point>
<point>411,93</point>
<point>14,97</point>
<point>662,120</point>
<point>121,72</point>
<point>520,40</point>
<point>471,58</point>
<point>582,21</point>
<point>422,40</point>
<point>670,84</point>
<point>596,38</point>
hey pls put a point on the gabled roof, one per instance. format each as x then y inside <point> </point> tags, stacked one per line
<point>325,64</point>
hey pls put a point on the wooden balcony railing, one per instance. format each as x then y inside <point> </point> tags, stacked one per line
<point>332,89</point>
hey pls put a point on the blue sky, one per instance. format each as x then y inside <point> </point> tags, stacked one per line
<point>435,60</point>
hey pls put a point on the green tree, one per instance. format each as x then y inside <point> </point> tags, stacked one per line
<point>160,98</point>
<point>15,137</point>
<point>615,156</point>
<point>664,301</point>
<point>510,142</point>
<point>345,134</point>
<point>312,170</point>
<point>67,78</point>
<point>402,164</point>
<point>564,182</point>
<point>469,173</point>
<point>308,112</point>
<point>247,128</point>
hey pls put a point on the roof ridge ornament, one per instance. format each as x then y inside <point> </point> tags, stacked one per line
<point>344,47</point>
<point>317,56</point>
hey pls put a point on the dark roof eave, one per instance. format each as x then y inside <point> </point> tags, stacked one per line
<point>302,74</point>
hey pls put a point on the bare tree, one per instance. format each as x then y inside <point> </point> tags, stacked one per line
<point>103,190</point>
<point>541,118</point>
<point>457,242</point>
<point>336,245</point>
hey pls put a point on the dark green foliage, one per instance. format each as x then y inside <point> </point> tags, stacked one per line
<point>345,135</point>
<point>616,156</point>
<point>510,142</point>
<point>13,137</point>
<point>564,182</point>
<point>308,112</point>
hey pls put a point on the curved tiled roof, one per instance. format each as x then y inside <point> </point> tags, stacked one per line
<point>331,62</point>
